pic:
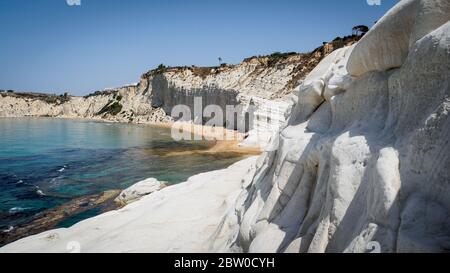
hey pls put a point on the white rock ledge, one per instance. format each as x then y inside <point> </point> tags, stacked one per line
<point>137,191</point>
<point>179,218</point>
<point>363,159</point>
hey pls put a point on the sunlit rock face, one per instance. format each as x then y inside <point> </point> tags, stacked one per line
<point>360,165</point>
<point>363,164</point>
<point>124,104</point>
<point>137,191</point>
<point>389,42</point>
<point>260,85</point>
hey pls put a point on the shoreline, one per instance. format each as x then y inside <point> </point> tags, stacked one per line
<point>228,140</point>
<point>164,230</point>
<point>50,218</point>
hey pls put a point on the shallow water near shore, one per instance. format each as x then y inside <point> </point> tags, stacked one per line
<point>46,163</point>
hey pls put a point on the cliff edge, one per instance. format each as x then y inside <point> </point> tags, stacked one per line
<point>364,160</point>
<point>362,164</point>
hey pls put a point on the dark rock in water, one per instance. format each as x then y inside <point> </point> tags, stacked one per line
<point>84,204</point>
<point>49,219</point>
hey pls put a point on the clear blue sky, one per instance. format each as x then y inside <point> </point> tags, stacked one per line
<point>49,46</point>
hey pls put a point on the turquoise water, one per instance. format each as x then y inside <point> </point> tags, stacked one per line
<point>45,163</point>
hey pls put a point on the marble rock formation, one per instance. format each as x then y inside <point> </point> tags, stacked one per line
<point>364,160</point>
<point>362,164</point>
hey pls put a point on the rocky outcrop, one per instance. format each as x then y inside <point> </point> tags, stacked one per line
<point>179,218</point>
<point>137,191</point>
<point>364,159</point>
<point>255,82</point>
<point>389,42</point>
<point>51,218</point>
<point>361,165</point>
<point>125,104</point>
<point>267,117</point>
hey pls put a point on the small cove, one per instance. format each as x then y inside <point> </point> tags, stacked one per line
<point>46,163</point>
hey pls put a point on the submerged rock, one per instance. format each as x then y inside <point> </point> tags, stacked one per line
<point>50,218</point>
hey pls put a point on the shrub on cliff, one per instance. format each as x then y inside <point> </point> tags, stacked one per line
<point>112,108</point>
<point>360,30</point>
<point>276,57</point>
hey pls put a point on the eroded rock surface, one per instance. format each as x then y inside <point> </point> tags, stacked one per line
<point>365,159</point>
<point>137,191</point>
<point>362,163</point>
<point>260,81</point>
<point>180,218</point>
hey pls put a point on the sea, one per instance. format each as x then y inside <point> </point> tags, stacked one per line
<point>46,163</point>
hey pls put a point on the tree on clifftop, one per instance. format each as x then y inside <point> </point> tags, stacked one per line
<point>360,30</point>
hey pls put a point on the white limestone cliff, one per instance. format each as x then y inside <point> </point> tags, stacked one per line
<point>261,82</point>
<point>363,161</point>
<point>365,158</point>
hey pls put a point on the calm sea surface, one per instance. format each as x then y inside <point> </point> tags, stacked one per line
<point>46,163</point>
